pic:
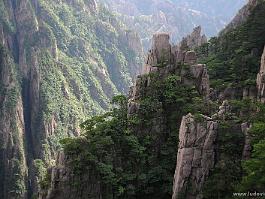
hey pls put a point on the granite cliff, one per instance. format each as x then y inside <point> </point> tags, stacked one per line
<point>56,68</point>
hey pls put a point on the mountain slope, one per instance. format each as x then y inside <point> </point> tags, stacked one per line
<point>61,62</point>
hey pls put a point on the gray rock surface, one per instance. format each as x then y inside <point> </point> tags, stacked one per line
<point>247,146</point>
<point>261,79</point>
<point>195,157</point>
<point>196,38</point>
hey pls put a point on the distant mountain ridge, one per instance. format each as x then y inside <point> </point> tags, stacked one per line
<point>178,17</point>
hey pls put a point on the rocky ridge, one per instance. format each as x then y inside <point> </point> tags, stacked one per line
<point>196,156</point>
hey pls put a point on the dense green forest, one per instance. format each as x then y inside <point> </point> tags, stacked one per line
<point>233,58</point>
<point>125,152</point>
<point>136,163</point>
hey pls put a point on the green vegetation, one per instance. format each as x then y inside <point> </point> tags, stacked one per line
<point>76,59</point>
<point>254,168</point>
<point>4,18</point>
<point>228,171</point>
<point>84,59</point>
<point>43,177</point>
<point>9,98</point>
<point>234,57</point>
<point>136,155</point>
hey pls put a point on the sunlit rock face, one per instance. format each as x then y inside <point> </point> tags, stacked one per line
<point>196,156</point>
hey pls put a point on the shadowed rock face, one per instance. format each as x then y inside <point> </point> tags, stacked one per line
<point>196,156</point>
<point>13,164</point>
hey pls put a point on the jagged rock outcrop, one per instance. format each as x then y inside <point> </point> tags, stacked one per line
<point>196,39</point>
<point>261,80</point>
<point>164,59</point>
<point>160,52</point>
<point>196,156</point>
<point>163,53</point>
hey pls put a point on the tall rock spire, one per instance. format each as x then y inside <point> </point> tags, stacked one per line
<point>261,79</point>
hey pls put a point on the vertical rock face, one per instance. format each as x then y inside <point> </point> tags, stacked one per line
<point>196,156</point>
<point>19,128</point>
<point>165,59</point>
<point>203,150</point>
<point>247,146</point>
<point>13,167</point>
<point>161,50</point>
<point>261,79</point>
